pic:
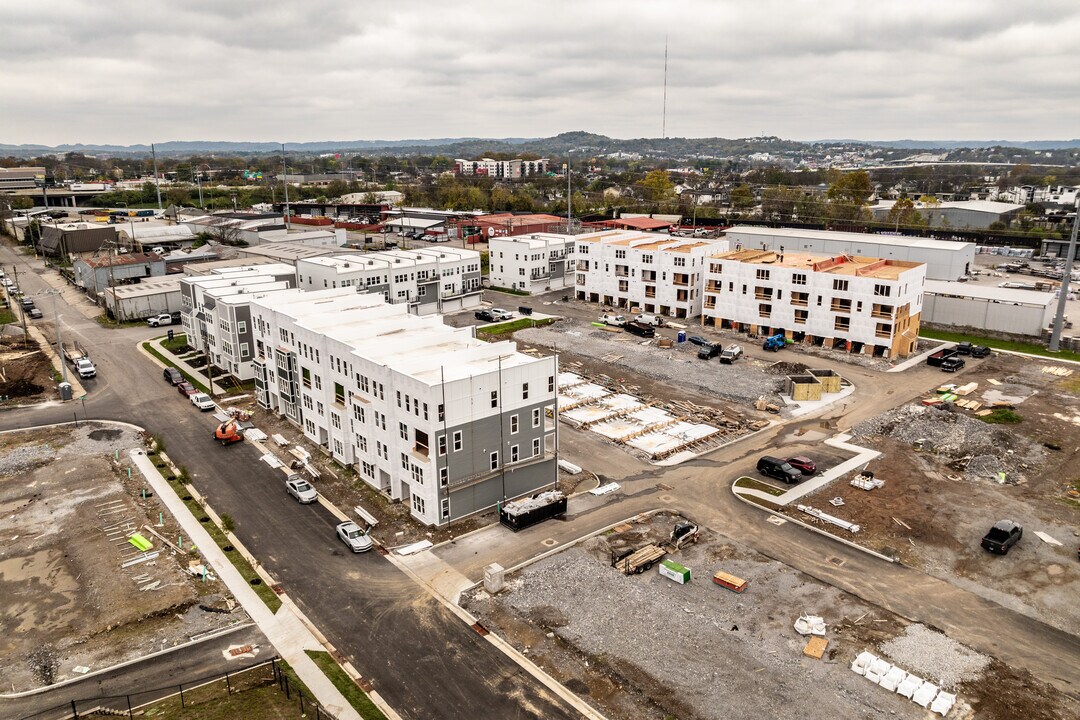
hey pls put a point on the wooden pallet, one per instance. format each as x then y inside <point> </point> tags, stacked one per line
<point>732,583</point>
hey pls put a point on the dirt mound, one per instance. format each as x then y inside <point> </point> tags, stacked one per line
<point>784,367</point>
<point>20,388</point>
<point>105,434</point>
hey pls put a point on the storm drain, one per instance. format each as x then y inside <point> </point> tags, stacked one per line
<point>836,561</point>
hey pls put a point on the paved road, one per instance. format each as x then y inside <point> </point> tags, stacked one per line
<point>152,679</point>
<point>423,660</point>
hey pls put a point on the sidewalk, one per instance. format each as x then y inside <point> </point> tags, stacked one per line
<point>918,359</point>
<point>288,634</point>
<point>199,375</point>
<point>862,457</point>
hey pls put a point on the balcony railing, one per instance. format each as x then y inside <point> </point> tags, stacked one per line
<point>844,307</point>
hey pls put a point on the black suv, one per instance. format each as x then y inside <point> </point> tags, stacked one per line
<point>778,469</point>
<point>1002,536</point>
<point>978,351</point>
<point>173,376</point>
<point>952,364</point>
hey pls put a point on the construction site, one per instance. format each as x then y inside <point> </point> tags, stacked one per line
<point>644,626</point>
<point>998,445</point>
<point>92,571</point>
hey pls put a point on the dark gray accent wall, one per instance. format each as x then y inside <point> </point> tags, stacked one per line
<point>481,438</point>
<point>520,480</point>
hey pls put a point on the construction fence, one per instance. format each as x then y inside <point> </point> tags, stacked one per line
<point>190,694</point>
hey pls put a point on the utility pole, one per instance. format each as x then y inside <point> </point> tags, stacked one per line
<point>157,183</point>
<point>663,126</point>
<point>285,181</point>
<point>1066,274</point>
<point>59,340</point>
<point>569,196</point>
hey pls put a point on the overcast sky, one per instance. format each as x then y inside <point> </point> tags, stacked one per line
<point>140,71</point>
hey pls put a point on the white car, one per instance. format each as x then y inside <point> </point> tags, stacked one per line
<point>351,534</point>
<point>85,368</point>
<point>203,401</point>
<point>301,489</point>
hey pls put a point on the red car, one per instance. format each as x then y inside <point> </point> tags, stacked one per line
<point>186,389</point>
<point>803,464</point>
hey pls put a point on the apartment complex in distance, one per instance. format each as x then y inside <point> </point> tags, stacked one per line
<point>216,314</point>
<point>428,280</point>
<point>426,413</point>
<point>502,169</point>
<point>859,304</point>
<point>532,263</point>
<point>658,273</point>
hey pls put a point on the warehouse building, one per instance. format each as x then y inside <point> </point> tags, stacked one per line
<point>96,273</point>
<point>145,299</point>
<point>987,308</point>
<point>428,280</point>
<point>944,259</point>
<point>426,413</point>
<point>530,263</point>
<point>657,273</point>
<point>858,304</point>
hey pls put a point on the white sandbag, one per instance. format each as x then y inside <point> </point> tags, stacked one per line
<point>909,686</point>
<point>925,694</point>
<point>892,679</point>
<point>862,662</point>
<point>943,703</point>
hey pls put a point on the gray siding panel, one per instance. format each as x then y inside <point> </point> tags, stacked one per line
<point>481,438</point>
<point>522,480</point>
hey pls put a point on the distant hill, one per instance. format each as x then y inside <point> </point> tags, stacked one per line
<point>580,142</point>
<point>960,144</point>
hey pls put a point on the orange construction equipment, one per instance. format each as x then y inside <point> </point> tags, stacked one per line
<point>228,432</point>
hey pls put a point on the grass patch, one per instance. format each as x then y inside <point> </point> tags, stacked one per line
<point>1002,416</point>
<point>747,482</point>
<point>356,697</point>
<point>107,322</point>
<point>513,326</point>
<point>261,589</point>
<point>179,342</point>
<point>6,316</point>
<point>255,694</point>
<point>1011,345</point>
<point>198,385</point>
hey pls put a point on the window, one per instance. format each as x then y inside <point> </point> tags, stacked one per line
<point>445,508</point>
<point>358,413</point>
<point>305,377</point>
<point>444,476</point>
<point>368,469</point>
<point>307,403</point>
<point>241,326</point>
<point>399,398</point>
<point>361,442</point>
<point>524,391</point>
<point>338,450</point>
<point>339,393</point>
<point>457,440</point>
<point>883,330</point>
<point>442,444</point>
<point>403,431</point>
<point>418,474</point>
<point>404,461</point>
<point>680,262</point>
<point>620,254</point>
<point>335,420</point>
<point>551,383</point>
<point>310,427</point>
<point>764,310</point>
<point>494,460</point>
<point>418,504</point>
<point>801,316</point>
<point>536,417</point>
<point>318,383</point>
<point>442,413</point>
<point>244,351</point>
<point>762,274</point>
<point>840,285</point>
<point>364,386</point>
<point>319,408</point>
<point>425,411</point>
<point>798,279</point>
<point>842,323</point>
<point>494,398</point>
<point>513,424</point>
<point>883,290</point>
<point>536,446</point>
<point>514,453</point>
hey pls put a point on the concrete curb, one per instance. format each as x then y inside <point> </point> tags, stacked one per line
<point>127,663</point>
<point>863,456</point>
<point>523,662</point>
<point>1012,352</point>
<point>818,530</point>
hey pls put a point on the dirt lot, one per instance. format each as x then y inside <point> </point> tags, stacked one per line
<point>25,372</point>
<point>642,646</point>
<point>66,507</point>
<point>950,493</point>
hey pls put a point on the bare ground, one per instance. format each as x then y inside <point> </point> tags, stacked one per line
<point>642,646</point>
<point>61,491</point>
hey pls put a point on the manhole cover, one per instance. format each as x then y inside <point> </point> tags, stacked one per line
<point>550,542</point>
<point>837,561</point>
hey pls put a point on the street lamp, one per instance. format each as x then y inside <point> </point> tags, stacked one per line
<point>59,339</point>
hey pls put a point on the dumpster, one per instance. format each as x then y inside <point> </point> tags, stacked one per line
<point>522,310</point>
<point>674,571</point>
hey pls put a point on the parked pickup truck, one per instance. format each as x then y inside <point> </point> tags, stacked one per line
<point>1002,536</point>
<point>935,359</point>
<point>159,320</point>
<point>731,354</point>
<point>610,319</point>
<point>85,368</point>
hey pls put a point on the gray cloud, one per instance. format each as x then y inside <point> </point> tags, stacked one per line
<point>136,71</point>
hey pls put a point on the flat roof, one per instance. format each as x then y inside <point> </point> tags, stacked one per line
<point>423,348</point>
<point>287,250</point>
<point>989,292</point>
<point>840,236</point>
<point>853,265</point>
<point>168,283</point>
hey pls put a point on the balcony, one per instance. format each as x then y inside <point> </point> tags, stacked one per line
<point>710,302</point>
<point>582,266</point>
<point>800,299</point>
<point>622,271</point>
<point>882,312</point>
<point>648,276</point>
<point>840,306</point>
<point>680,280</point>
<point>650,291</point>
<point>761,293</point>
<point>714,286</point>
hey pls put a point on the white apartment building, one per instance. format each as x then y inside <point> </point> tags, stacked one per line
<point>859,304</point>
<point>503,169</point>
<point>216,315</point>
<point>533,263</point>
<point>428,280</point>
<point>426,413</point>
<point>657,273</point>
